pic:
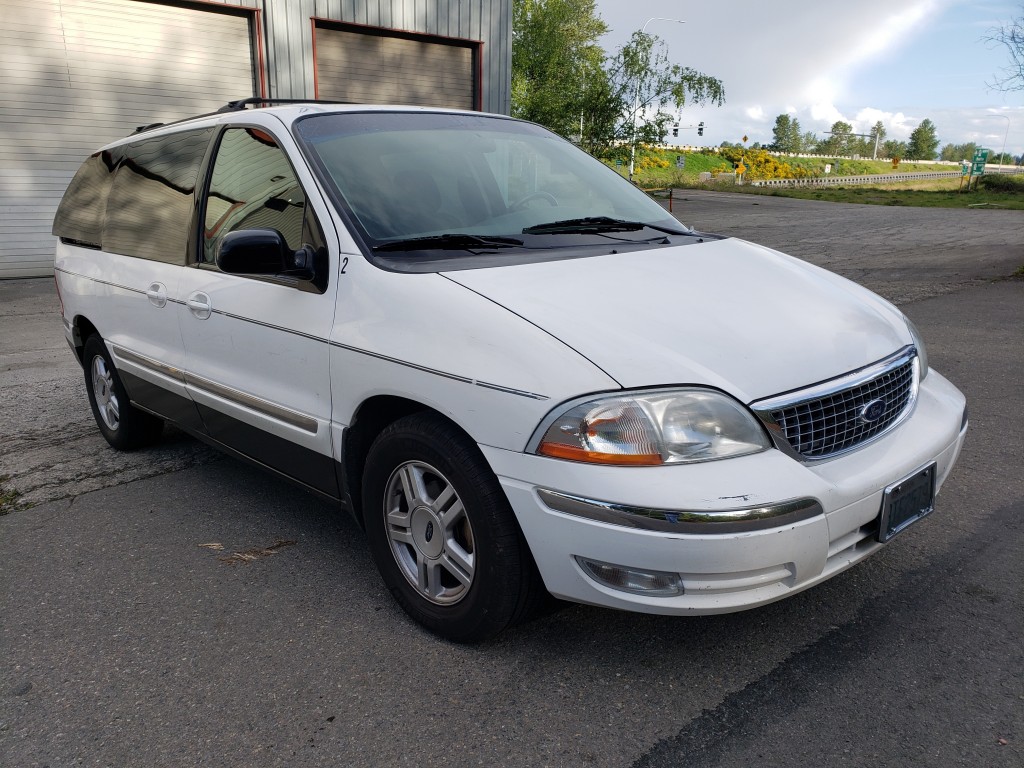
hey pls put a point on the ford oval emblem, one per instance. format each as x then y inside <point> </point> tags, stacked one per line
<point>873,411</point>
<point>429,533</point>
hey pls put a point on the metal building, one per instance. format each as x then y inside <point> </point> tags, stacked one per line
<point>77,74</point>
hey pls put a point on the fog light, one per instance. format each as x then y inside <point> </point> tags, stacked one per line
<point>639,582</point>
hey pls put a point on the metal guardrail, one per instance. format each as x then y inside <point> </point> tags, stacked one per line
<point>876,178</point>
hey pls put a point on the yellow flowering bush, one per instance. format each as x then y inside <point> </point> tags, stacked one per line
<point>761,165</point>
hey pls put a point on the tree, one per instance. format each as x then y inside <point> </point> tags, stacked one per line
<point>923,142</point>
<point>561,77</point>
<point>894,149</point>
<point>557,72</point>
<point>643,83</point>
<point>1011,37</point>
<point>795,137</point>
<point>839,142</point>
<point>956,152</point>
<point>876,139</point>
<point>782,134</point>
<point>808,142</point>
<point>786,134</point>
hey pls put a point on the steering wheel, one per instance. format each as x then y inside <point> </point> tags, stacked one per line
<point>547,197</point>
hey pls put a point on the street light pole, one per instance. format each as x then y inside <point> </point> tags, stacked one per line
<point>1003,152</point>
<point>636,97</point>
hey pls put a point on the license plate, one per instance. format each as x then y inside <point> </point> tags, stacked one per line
<point>906,502</point>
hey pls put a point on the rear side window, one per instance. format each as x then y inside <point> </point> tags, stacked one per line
<point>79,218</point>
<point>149,207</point>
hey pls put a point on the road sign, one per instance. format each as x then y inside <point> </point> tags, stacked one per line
<point>978,162</point>
<point>680,161</point>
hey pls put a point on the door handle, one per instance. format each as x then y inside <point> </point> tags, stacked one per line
<point>157,294</point>
<point>199,305</point>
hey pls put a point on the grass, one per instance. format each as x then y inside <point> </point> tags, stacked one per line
<point>929,193</point>
<point>696,163</point>
<point>995,191</point>
<point>842,166</point>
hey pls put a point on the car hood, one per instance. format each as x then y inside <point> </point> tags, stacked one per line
<point>723,313</point>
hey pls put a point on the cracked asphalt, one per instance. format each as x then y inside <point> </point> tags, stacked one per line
<point>124,641</point>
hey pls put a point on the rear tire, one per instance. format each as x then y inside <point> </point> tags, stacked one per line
<point>443,534</point>
<point>124,426</point>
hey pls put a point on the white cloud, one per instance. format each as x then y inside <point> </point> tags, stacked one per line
<point>826,113</point>
<point>756,113</point>
<point>898,126</point>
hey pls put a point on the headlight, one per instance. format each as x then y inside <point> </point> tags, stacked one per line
<point>922,355</point>
<point>652,428</point>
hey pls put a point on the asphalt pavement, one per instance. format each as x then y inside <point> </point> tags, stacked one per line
<point>176,607</point>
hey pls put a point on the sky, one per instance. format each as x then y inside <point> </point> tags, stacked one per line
<point>898,61</point>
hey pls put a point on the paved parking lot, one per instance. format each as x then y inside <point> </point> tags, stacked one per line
<point>124,641</point>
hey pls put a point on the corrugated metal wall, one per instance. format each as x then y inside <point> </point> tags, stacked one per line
<point>78,74</point>
<point>352,65</point>
<point>290,37</point>
<point>37,58</point>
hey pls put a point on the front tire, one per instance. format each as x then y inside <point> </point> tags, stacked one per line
<point>443,534</point>
<point>124,426</point>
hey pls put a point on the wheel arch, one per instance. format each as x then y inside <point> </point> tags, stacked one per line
<point>371,418</point>
<point>81,329</point>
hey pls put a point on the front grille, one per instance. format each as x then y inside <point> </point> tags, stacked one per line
<point>838,421</point>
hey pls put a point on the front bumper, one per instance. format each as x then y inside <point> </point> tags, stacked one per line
<point>731,568</point>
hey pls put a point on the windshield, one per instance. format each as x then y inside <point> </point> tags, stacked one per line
<point>412,180</point>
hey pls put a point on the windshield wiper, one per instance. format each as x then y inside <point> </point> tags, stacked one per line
<point>454,241</point>
<point>594,224</point>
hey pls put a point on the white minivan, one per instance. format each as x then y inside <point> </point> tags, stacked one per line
<point>517,371</point>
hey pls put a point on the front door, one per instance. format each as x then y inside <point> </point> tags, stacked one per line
<point>256,348</point>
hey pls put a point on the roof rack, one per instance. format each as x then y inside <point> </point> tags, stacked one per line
<point>240,104</point>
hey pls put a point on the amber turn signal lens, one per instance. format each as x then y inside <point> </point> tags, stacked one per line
<point>560,451</point>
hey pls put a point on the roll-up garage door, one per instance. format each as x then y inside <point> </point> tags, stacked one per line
<point>381,67</point>
<point>78,74</point>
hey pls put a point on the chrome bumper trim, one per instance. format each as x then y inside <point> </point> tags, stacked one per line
<point>754,518</point>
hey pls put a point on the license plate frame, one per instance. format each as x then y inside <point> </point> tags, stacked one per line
<point>906,501</point>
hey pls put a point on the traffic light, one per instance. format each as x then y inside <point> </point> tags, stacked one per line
<point>675,129</point>
<point>700,128</point>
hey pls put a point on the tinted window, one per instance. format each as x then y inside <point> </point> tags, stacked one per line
<point>80,214</point>
<point>252,187</point>
<point>150,206</point>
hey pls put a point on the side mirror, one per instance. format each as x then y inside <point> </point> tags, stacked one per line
<point>262,252</point>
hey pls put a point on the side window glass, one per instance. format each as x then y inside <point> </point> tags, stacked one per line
<point>149,209</point>
<point>252,187</point>
<point>79,217</point>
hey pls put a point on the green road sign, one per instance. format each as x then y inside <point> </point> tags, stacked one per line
<point>978,162</point>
